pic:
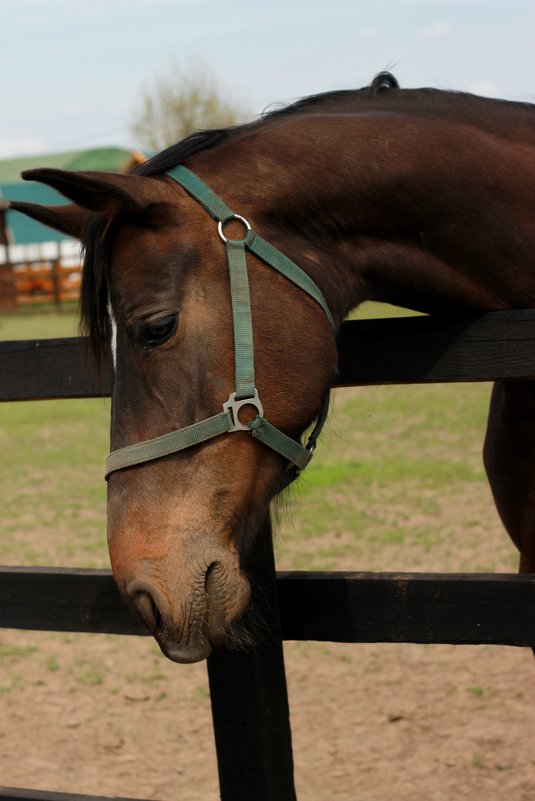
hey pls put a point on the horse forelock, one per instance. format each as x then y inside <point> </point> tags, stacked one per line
<point>95,289</point>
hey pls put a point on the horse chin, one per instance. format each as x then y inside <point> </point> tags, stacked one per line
<point>184,653</point>
<point>215,630</point>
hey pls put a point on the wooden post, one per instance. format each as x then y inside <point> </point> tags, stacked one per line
<point>8,294</point>
<point>56,278</point>
<point>250,702</point>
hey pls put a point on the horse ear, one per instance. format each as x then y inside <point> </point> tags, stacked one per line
<point>69,219</point>
<point>97,191</point>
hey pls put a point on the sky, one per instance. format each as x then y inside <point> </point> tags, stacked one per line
<point>73,71</point>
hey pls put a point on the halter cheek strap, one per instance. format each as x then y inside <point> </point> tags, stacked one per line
<point>245,393</point>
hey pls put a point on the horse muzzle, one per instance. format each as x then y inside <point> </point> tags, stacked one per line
<point>196,616</point>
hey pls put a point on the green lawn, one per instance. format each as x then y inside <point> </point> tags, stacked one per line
<point>53,499</point>
<point>396,483</point>
<point>45,324</point>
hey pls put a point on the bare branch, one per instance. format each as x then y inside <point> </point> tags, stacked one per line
<point>187,100</point>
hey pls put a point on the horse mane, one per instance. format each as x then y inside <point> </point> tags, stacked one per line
<point>181,152</point>
<point>382,91</point>
<point>501,117</point>
<point>203,140</point>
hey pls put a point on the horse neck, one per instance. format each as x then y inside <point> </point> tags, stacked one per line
<point>389,206</point>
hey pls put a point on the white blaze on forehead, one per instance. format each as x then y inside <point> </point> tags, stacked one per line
<point>113,334</point>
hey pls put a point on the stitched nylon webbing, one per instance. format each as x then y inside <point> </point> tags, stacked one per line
<point>168,443</point>
<point>242,320</point>
<point>193,185</point>
<point>289,269</point>
<point>280,442</point>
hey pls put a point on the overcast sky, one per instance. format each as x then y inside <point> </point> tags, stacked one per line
<point>73,69</point>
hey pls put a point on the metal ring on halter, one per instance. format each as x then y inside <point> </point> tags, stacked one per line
<point>233,406</point>
<point>221,223</point>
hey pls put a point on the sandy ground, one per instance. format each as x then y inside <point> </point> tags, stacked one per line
<point>108,715</point>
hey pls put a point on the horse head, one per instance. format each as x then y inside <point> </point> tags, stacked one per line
<point>182,526</point>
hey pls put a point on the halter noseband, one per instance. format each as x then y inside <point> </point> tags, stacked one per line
<point>246,393</point>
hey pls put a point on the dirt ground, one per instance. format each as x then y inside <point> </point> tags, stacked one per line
<point>108,715</point>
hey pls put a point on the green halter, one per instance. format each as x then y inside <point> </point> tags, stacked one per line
<point>246,393</point>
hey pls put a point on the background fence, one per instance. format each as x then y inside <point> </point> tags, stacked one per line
<point>38,281</point>
<point>248,690</point>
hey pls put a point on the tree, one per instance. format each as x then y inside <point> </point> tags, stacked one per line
<point>187,100</point>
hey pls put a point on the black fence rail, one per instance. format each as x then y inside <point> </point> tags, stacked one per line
<point>455,608</point>
<point>248,690</point>
<point>407,350</point>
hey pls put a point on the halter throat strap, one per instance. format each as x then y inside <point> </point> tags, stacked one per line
<point>246,393</point>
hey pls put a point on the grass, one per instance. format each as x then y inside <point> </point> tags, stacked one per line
<point>10,652</point>
<point>45,323</point>
<point>396,483</point>
<point>476,691</point>
<point>52,509</point>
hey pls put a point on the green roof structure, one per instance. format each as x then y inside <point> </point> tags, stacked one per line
<point>25,231</point>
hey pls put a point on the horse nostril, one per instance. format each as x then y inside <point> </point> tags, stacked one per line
<point>148,609</point>
<point>208,579</point>
<point>212,579</point>
<point>216,607</point>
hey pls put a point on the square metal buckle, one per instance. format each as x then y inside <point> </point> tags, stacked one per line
<point>233,406</point>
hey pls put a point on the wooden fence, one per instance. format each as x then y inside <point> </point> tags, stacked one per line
<point>248,690</point>
<point>38,281</point>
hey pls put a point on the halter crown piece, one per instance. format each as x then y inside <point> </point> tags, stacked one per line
<point>246,393</point>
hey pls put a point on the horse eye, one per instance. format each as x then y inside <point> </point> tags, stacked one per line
<point>157,332</point>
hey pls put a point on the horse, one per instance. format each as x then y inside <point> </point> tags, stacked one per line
<point>223,268</point>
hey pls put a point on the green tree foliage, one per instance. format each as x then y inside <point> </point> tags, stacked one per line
<point>186,100</point>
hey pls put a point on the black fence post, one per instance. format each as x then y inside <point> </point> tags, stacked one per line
<point>250,702</point>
